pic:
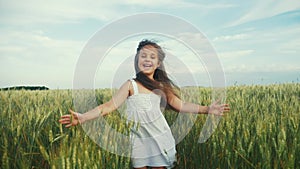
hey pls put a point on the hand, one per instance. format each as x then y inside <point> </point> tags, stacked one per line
<point>218,109</point>
<point>72,119</point>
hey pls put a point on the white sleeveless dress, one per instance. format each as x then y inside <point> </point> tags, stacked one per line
<point>152,141</point>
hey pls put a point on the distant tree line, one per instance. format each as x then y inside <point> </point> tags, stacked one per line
<point>25,88</point>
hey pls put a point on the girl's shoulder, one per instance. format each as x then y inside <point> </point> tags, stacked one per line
<point>135,87</point>
<point>126,88</point>
<point>129,86</point>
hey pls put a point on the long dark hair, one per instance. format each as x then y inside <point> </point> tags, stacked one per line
<point>161,80</point>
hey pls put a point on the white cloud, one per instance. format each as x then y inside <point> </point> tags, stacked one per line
<point>290,47</point>
<point>36,52</point>
<point>235,54</point>
<point>197,42</point>
<point>34,11</point>
<point>70,11</point>
<point>36,43</point>
<point>31,57</point>
<point>288,42</point>
<point>176,4</point>
<point>275,67</point>
<point>155,3</point>
<point>231,37</point>
<point>266,9</point>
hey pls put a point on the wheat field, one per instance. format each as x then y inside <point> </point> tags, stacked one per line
<point>261,131</point>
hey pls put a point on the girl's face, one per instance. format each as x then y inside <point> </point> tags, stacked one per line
<point>148,60</point>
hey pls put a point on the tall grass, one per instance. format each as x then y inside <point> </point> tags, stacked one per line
<point>261,131</point>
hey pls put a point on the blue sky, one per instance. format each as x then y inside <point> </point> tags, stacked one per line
<point>257,42</point>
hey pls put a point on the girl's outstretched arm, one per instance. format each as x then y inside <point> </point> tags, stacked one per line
<point>75,118</point>
<point>185,107</point>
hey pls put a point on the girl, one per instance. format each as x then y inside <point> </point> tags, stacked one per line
<point>152,142</point>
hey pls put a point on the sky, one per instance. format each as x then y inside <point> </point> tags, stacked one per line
<point>43,44</point>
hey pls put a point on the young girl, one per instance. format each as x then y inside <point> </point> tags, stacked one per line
<point>152,142</point>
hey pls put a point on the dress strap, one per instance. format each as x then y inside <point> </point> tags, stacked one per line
<point>135,87</point>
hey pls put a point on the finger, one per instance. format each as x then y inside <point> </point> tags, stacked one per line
<point>226,108</point>
<point>225,105</point>
<point>223,109</point>
<point>69,125</point>
<point>74,114</point>
<point>64,121</point>
<point>65,116</point>
<point>71,111</point>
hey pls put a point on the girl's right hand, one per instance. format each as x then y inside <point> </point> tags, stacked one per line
<point>72,119</point>
<point>218,109</point>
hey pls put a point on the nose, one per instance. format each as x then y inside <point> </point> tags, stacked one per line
<point>147,59</point>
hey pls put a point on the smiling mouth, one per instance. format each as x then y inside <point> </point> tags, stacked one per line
<point>147,65</point>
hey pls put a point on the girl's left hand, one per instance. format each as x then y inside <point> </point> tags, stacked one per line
<point>72,119</point>
<point>218,109</point>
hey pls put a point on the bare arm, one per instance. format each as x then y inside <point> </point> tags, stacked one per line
<point>74,118</point>
<point>186,107</point>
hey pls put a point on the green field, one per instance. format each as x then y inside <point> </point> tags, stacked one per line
<point>261,131</point>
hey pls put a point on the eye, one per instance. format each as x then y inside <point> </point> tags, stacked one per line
<point>153,56</point>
